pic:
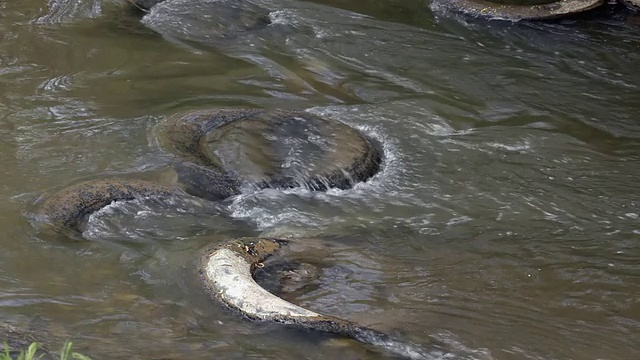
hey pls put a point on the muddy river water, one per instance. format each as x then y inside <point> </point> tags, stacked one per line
<point>505,222</point>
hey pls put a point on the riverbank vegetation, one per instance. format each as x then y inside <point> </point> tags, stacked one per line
<point>31,353</point>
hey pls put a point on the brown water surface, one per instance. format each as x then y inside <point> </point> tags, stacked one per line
<point>505,223</point>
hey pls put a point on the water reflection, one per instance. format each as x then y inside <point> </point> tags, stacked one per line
<point>504,223</point>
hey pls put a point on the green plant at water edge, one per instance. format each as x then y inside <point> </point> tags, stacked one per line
<point>30,354</point>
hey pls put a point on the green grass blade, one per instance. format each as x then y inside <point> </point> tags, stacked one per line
<point>65,353</point>
<point>75,355</point>
<point>6,352</point>
<point>31,351</point>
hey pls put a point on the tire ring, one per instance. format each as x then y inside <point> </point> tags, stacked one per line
<point>352,158</point>
<point>553,10</point>
<point>227,270</point>
<point>235,17</point>
<point>70,206</point>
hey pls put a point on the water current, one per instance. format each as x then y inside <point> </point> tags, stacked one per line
<point>505,222</point>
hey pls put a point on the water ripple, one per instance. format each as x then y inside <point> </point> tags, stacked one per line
<point>64,11</point>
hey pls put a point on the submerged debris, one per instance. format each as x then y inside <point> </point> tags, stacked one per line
<point>226,272</point>
<point>260,148</point>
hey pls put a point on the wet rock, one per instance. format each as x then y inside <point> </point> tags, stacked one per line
<point>260,148</point>
<point>70,206</point>
<point>515,10</point>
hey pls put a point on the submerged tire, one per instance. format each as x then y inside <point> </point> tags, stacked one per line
<point>278,149</point>
<point>70,206</point>
<point>516,11</point>
<point>207,20</point>
<point>226,274</point>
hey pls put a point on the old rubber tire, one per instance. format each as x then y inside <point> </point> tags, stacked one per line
<point>68,207</point>
<point>220,19</point>
<point>226,272</point>
<point>228,142</point>
<point>494,10</point>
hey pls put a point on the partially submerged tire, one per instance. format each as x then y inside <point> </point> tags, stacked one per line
<point>226,273</point>
<point>515,10</point>
<point>208,20</point>
<point>69,207</point>
<point>279,149</point>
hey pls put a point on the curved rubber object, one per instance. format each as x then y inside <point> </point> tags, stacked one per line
<point>226,272</point>
<point>70,206</point>
<point>346,164</point>
<point>491,10</point>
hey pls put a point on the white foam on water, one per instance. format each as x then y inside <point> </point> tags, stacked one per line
<point>269,208</point>
<point>66,11</point>
<point>150,219</point>
<point>518,147</point>
<point>392,159</point>
<point>285,17</point>
<point>266,209</point>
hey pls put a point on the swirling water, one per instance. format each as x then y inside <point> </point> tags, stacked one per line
<point>505,223</point>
